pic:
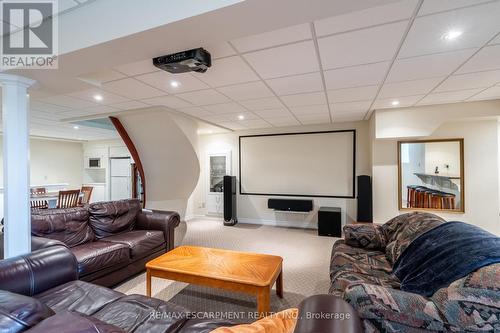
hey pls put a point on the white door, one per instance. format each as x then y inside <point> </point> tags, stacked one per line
<point>120,178</point>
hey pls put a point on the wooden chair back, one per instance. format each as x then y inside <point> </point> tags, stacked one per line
<point>38,204</point>
<point>68,199</point>
<point>87,193</point>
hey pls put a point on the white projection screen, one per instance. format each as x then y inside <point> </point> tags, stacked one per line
<point>316,164</point>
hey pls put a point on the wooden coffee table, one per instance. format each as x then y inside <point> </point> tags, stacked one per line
<point>249,273</point>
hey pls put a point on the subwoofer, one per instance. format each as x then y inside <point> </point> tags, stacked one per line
<point>365,206</point>
<point>229,193</point>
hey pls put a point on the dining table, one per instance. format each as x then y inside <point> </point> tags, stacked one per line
<point>50,197</point>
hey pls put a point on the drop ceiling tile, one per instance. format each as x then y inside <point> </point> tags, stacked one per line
<point>67,101</point>
<point>100,109</point>
<point>311,109</point>
<point>227,71</point>
<point>448,97</point>
<point>304,99</point>
<point>130,105</point>
<point>102,76</point>
<point>362,75</point>
<point>162,80</point>
<point>262,104</point>
<point>132,88</point>
<point>232,125</point>
<point>401,10</point>
<point>365,46</point>
<point>428,66</point>
<point>168,101</point>
<point>347,117</point>
<point>196,111</point>
<point>215,118</point>
<point>296,84</point>
<point>350,106</point>
<point>470,81</point>
<point>478,24</point>
<point>284,60</point>
<point>219,50</point>
<point>490,93</point>
<point>386,103</point>
<point>314,119</point>
<point>409,88</point>
<point>245,91</point>
<point>486,59</point>
<point>283,122</point>
<point>236,116</point>
<point>433,6</point>
<point>136,68</point>
<point>352,94</point>
<point>46,107</point>
<point>107,98</point>
<point>225,108</point>
<point>273,113</point>
<point>272,38</point>
<point>257,123</point>
<point>204,97</point>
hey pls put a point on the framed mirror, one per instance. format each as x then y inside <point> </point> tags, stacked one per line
<point>431,175</point>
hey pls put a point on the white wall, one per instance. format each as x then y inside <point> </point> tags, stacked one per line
<point>253,208</point>
<point>481,153</point>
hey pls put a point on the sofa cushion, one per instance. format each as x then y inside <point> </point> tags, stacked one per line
<point>96,256</point>
<point>402,230</point>
<point>19,313</point>
<point>141,314</point>
<point>473,302</point>
<point>113,217</point>
<point>346,257</point>
<point>78,296</point>
<point>69,225</point>
<point>365,235</point>
<point>344,279</point>
<point>140,242</point>
<point>281,322</point>
<point>75,323</point>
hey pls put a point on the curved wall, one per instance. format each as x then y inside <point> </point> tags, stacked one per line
<point>166,144</point>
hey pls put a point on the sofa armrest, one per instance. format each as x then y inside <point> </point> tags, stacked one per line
<point>165,221</point>
<point>365,235</point>
<point>327,313</point>
<point>40,270</point>
<point>393,309</point>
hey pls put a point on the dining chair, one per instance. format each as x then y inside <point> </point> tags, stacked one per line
<point>68,199</point>
<point>87,193</point>
<point>38,204</point>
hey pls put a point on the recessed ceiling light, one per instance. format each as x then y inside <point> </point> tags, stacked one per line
<point>174,84</point>
<point>452,34</point>
<point>76,127</point>
<point>241,117</point>
<point>395,103</point>
<point>98,98</point>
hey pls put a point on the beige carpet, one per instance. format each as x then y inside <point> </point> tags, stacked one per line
<point>306,260</point>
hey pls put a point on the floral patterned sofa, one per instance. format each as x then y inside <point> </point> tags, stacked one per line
<point>361,273</point>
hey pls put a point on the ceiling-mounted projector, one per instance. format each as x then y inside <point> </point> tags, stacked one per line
<point>197,60</point>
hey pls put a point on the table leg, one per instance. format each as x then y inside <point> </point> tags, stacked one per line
<point>279,285</point>
<point>148,283</point>
<point>264,301</point>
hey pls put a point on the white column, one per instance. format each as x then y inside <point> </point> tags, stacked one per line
<point>16,172</point>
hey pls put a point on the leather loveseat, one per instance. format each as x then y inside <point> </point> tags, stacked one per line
<point>110,240</point>
<point>39,292</point>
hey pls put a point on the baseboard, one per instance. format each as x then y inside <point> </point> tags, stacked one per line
<point>280,223</point>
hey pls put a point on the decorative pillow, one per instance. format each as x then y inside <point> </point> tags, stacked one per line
<point>69,225</point>
<point>113,217</point>
<point>281,322</point>
<point>364,235</point>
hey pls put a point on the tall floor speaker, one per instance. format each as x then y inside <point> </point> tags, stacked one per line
<point>365,204</point>
<point>229,190</point>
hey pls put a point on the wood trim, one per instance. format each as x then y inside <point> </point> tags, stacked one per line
<point>461,210</point>
<point>133,151</point>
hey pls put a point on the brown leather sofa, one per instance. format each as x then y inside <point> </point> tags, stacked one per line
<point>111,241</point>
<point>39,292</point>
